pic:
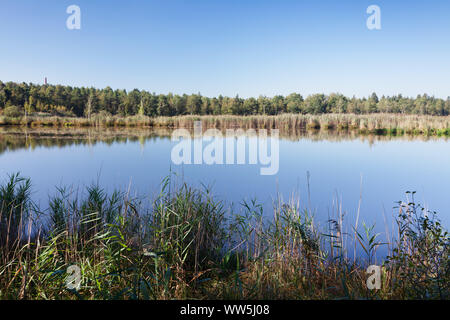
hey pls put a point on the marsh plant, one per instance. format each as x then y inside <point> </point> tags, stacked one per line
<point>421,256</point>
<point>380,124</point>
<point>186,244</point>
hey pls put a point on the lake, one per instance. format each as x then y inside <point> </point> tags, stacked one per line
<point>345,171</point>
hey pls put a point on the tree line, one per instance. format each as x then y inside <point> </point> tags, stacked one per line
<point>84,102</point>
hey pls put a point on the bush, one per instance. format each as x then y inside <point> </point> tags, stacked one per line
<point>13,112</point>
<point>420,260</point>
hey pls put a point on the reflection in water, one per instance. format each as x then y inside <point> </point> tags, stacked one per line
<point>14,138</point>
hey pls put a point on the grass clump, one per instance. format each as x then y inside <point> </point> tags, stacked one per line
<point>185,244</point>
<point>378,124</point>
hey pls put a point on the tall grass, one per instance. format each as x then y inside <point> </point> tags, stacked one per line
<point>187,244</point>
<point>382,124</point>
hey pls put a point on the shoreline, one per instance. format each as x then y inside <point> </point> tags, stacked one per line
<point>377,124</point>
<point>190,246</point>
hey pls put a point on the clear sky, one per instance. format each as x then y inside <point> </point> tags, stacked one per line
<point>229,47</point>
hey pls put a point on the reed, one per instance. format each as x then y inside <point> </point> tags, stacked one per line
<point>186,244</point>
<point>379,123</point>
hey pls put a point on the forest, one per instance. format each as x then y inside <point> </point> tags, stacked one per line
<point>17,99</point>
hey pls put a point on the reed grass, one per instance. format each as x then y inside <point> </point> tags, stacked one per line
<point>186,244</point>
<point>380,124</point>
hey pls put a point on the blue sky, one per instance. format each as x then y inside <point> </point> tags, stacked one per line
<point>229,47</point>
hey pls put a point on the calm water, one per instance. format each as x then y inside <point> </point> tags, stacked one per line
<point>139,160</point>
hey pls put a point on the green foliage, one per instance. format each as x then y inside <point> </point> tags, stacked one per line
<point>316,104</point>
<point>186,246</point>
<point>14,206</point>
<point>369,243</point>
<point>421,258</point>
<point>66,100</point>
<point>13,112</point>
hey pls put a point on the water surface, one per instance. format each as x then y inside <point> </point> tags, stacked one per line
<point>341,168</point>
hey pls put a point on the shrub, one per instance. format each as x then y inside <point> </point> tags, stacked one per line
<point>420,261</point>
<point>13,112</point>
